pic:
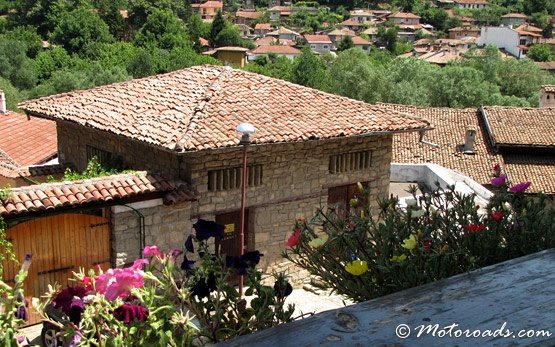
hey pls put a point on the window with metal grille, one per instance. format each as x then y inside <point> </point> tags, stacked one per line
<point>104,158</point>
<point>230,178</point>
<point>352,161</point>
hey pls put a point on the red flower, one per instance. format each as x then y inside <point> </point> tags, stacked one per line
<point>128,313</point>
<point>293,239</point>
<point>427,246</point>
<point>497,216</point>
<point>87,283</point>
<point>474,227</point>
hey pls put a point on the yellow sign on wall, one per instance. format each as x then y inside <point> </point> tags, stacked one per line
<point>229,228</point>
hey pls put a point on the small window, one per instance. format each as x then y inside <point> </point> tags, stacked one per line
<point>103,157</point>
<point>353,161</point>
<point>326,46</point>
<point>230,178</point>
<point>313,46</point>
<point>548,97</point>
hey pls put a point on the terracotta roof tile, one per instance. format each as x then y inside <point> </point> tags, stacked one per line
<point>263,26</point>
<point>212,4</point>
<point>521,126</point>
<point>48,196</point>
<point>357,40</point>
<point>272,41</point>
<point>539,170</point>
<point>448,133</point>
<point>198,108</point>
<point>276,49</point>
<point>550,88</point>
<point>317,38</point>
<point>25,141</point>
<point>248,14</point>
<point>404,15</point>
<point>514,15</point>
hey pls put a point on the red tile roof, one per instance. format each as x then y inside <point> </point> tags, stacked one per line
<point>27,140</point>
<point>519,126</point>
<point>62,195</point>
<point>404,15</point>
<point>199,108</point>
<point>317,38</point>
<point>270,40</point>
<point>263,26</point>
<point>276,49</point>
<point>248,14</point>
<point>448,133</point>
<point>351,22</point>
<point>212,4</point>
<point>357,40</point>
<point>514,15</point>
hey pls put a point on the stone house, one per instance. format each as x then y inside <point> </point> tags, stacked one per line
<point>362,43</point>
<point>287,51</point>
<point>362,16</point>
<point>463,32</point>
<point>247,16</point>
<point>207,10</point>
<point>513,19</point>
<point>261,29</point>
<point>310,149</point>
<point>471,4</point>
<point>404,18</point>
<point>547,95</point>
<point>283,33</point>
<point>320,44</point>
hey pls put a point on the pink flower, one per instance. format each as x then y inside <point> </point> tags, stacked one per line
<point>520,188</point>
<point>293,239</point>
<point>152,251</point>
<point>499,181</point>
<point>116,283</point>
<point>497,216</point>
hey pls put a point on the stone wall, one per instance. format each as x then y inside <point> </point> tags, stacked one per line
<point>164,226</point>
<point>73,140</point>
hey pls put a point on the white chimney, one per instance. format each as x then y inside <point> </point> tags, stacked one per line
<point>469,139</point>
<point>3,109</point>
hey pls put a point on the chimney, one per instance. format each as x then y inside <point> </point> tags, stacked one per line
<point>3,109</point>
<point>469,139</point>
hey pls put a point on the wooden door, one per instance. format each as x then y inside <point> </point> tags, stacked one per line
<point>230,243</point>
<point>60,245</point>
<point>340,197</point>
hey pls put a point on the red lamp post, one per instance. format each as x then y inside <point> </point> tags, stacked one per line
<point>245,129</point>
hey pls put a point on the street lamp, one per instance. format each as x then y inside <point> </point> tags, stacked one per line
<point>245,129</point>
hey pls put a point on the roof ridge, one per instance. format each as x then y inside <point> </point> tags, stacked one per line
<point>198,112</point>
<point>8,158</point>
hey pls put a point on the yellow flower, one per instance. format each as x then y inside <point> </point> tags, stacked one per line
<point>356,267</point>
<point>360,187</point>
<point>398,258</point>
<point>319,241</point>
<point>409,243</point>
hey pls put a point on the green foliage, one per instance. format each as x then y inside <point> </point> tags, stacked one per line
<point>273,66</point>
<point>94,169</point>
<point>12,301</point>
<point>162,29</point>
<point>28,35</point>
<point>387,37</point>
<point>308,70</point>
<point>540,52</point>
<point>440,234</point>
<point>345,44</point>
<point>229,36</point>
<point>218,24</point>
<point>79,28</point>
<point>51,60</point>
<point>13,95</point>
<point>196,29</point>
<point>15,66</point>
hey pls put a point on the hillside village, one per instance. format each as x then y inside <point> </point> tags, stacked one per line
<point>121,120</point>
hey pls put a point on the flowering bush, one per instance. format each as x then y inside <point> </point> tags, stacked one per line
<point>155,302</point>
<point>441,233</point>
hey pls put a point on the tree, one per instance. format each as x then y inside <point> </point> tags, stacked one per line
<point>79,28</point>
<point>12,94</point>
<point>308,70</point>
<point>162,29</point>
<point>218,24</point>
<point>435,16</point>
<point>272,65</point>
<point>229,36</point>
<point>28,35</point>
<point>540,52</point>
<point>547,32</point>
<point>48,61</point>
<point>196,29</point>
<point>15,66</point>
<point>387,37</point>
<point>345,44</point>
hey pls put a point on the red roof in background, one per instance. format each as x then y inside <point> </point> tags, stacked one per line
<point>52,196</point>
<point>276,49</point>
<point>27,140</point>
<point>317,38</point>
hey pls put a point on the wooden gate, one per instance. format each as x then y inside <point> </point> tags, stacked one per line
<point>340,197</point>
<point>60,245</point>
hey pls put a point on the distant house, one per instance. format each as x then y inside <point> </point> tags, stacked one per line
<point>471,4</point>
<point>245,30</point>
<point>231,55</point>
<point>279,50</point>
<point>336,35</point>
<point>277,12</point>
<point>547,66</point>
<point>207,10</point>
<point>513,19</point>
<point>320,44</point>
<point>362,16</point>
<point>284,34</point>
<point>515,41</point>
<point>247,16</point>
<point>462,32</point>
<point>262,29</point>
<point>353,25</point>
<point>270,40</point>
<point>372,33</point>
<point>362,43</point>
<point>403,18</point>
<point>547,94</point>
<point>28,148</point>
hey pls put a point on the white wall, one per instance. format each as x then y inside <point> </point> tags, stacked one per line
<point>501,37</point>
